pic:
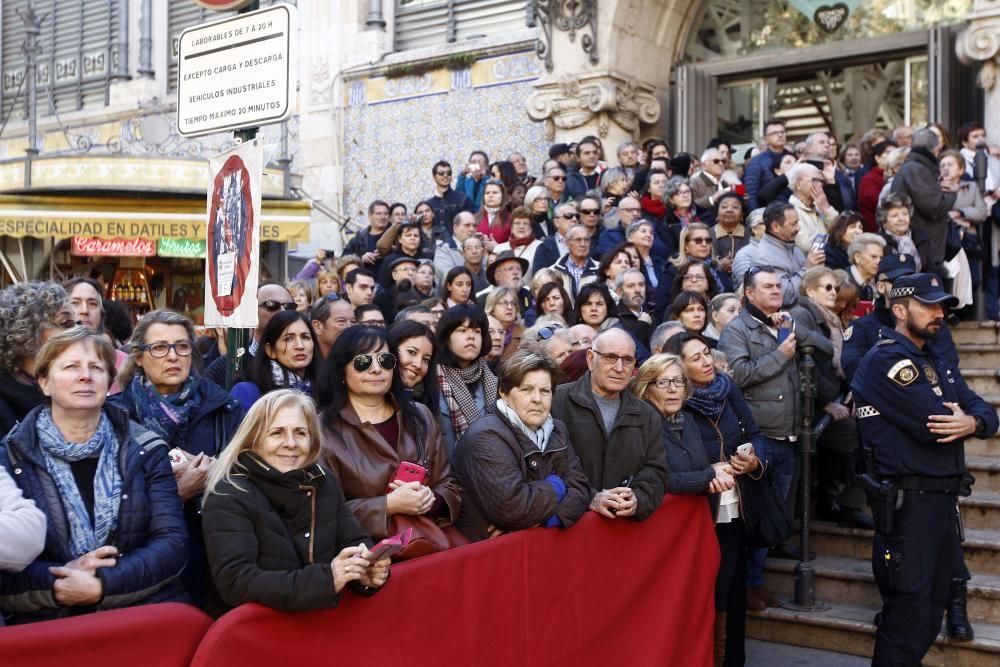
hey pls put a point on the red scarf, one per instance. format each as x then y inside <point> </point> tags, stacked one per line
<point>654,207</point>
<point>521,243</point>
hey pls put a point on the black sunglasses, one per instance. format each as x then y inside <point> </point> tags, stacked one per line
<point>569,216</point>
<point>386,361</point>
<point>273,306</point>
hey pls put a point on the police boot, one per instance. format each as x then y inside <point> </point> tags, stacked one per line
<point>959,628</point>
<point>719,639</point>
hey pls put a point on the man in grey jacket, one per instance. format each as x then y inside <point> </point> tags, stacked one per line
<point>777,249</point>
<point>918,179</point>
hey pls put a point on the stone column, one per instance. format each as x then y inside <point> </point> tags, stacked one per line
<point>980,42</point>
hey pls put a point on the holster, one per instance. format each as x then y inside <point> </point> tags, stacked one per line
<point>885,499</point>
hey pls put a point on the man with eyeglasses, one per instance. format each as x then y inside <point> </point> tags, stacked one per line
<point>759,171</point>
<point>271,298</point>
<point>777,249</point>
<point>448,253</point>
<point>581,336</point>
<point>577,262</point>
<point>816,214</point>
<point>617,221</point>
<point>363,243</point>
<point>369,315</point>
<point>446,202</point>
<point>473,254</point>
<point>709,183</point>
<point>554,247</point>
<point>404,270</point>
<point>507,270</point>
<point>616,435</point>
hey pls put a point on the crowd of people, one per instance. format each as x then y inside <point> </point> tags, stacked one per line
<point>519,350</point>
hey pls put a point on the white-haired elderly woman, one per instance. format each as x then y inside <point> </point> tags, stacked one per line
<point>116,534</point>
<point>30,313</point>
<point>614,185</point>
<point>866,251</point>
<point>893,215</point>
<point>552,341</point>
<point>654,269</point>
<point>163,390</point>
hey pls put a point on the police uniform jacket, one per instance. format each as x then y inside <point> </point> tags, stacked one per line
<point>897,386</point>
<point>863,334</point>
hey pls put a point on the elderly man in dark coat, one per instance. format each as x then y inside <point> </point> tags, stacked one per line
<point>617,436</point>
<point>918,179</point>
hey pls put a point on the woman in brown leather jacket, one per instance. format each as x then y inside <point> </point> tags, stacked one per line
<point>374,434</point>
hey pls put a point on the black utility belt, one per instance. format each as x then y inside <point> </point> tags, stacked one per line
<point>949,485</point>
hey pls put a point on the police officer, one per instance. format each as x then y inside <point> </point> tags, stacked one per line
<point>863,333</point>
<point>914,413</point>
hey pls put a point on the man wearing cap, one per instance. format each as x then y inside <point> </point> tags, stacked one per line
<point>507,270</point>
<point>863,333</point>
<point>914,413</point>
<point>403,270</point>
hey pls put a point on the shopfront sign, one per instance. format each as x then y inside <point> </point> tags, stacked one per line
<point>233,236</point>
<point>829,15</point>
<point>83,246</point>
<point>237,72</point>
<point>183,248</point>
<point>51,223</point>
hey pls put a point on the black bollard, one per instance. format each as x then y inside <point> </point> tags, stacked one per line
<point>805,570</point>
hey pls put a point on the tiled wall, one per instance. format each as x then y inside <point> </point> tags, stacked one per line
<point>396,129</point>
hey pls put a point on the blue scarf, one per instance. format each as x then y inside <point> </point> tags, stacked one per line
<point>168,416</point>
<point>84,535</point>
<point>286,379</point>
<point>708,401</point>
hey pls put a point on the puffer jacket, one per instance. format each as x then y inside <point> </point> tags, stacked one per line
<point>272,537</point>
<point>210,430</point>
<point>769,381</point>
<point>631,455</point>
<point>150,535</point>
<point>505,479</point>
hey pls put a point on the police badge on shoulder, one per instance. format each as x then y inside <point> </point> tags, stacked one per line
<point>903,373</point>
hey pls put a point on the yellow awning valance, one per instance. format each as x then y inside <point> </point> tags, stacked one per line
<point>132,217</point>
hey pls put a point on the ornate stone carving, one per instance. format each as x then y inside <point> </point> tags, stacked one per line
<point>980,42</point>
<point>577,99</point>
<point>567,16</point>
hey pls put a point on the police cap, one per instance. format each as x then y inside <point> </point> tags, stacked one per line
<point>924,287</point>
<point>894,266</point>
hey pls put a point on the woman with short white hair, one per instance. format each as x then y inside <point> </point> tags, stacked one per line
<point>866,251</point>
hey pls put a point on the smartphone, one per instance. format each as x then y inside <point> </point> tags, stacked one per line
<point>410,472</point>
<point>783,331</point>
<point>176,456</point>
<point>390,546</point>
<point>740,189</point>
<point>819,242</point>
<point>745,449</point>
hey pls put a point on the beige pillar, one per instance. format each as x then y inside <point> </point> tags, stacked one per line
<point>980,42</point>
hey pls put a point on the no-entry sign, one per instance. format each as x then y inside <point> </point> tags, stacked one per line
<point>237,72</point>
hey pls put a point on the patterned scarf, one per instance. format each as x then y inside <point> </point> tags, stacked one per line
<point>286,379</point>
<point>709,401</point>
<point>539,437</point>
<point>836,335</point>
<point>84,535</point>
<point>169,415</point>
<point>455,391</point>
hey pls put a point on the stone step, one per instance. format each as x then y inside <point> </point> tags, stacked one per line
<point>983,447</point>
<point>850,580</point>
<point>978,355</point>
<point>982,547</point>
<point>849,628</point>
<point>986,470</point>
<point>976,332</point>
<point>983,381</point>
<point>981,510</point>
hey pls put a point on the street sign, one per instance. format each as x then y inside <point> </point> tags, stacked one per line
<point>237,72</point>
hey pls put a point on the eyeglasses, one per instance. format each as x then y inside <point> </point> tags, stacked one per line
<point>569,216</point>
<point>273,306</point>
<point>558,178</point>
<point>631,210</point>
<point>682,192</point>
<point>442,173</point>
<point>680,383</point>
<point>507,302</point>
<point>386,361</point>
<point>716,161</point>
<point>612,359</point>
<point>589,211</point>
<point>695,278</point>
<point>183,348</point>
<point>579,239</point>
<point>700,240</point>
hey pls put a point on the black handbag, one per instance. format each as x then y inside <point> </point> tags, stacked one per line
<point>767,520</point>
<point>973,245</point>
<point>953,242</point>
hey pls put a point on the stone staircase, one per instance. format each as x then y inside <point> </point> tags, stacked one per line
<point>844,578</point>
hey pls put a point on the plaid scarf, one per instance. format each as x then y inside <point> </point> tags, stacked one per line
<point>84,535</point>
<point>455,391</point>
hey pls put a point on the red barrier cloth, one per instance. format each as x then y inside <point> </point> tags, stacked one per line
<point>601,593</point>
<point>155,635</point>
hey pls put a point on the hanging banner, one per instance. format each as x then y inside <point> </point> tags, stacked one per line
<point>829,15</point>
<point>183,248</point>
<point>83,246</point>
<point>233,237</point>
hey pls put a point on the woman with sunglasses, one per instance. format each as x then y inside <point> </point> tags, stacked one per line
<point>457,287</point>
<point>413,344</point>
<point>286,358</point>
<point>385,449</point>
<point>468,386</point>
<point>193,415</point>
<point>30,313</point>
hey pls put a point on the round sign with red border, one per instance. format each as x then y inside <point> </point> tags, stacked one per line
<point>223,5</point>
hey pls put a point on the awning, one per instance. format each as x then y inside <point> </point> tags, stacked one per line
<point>133,217</point>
